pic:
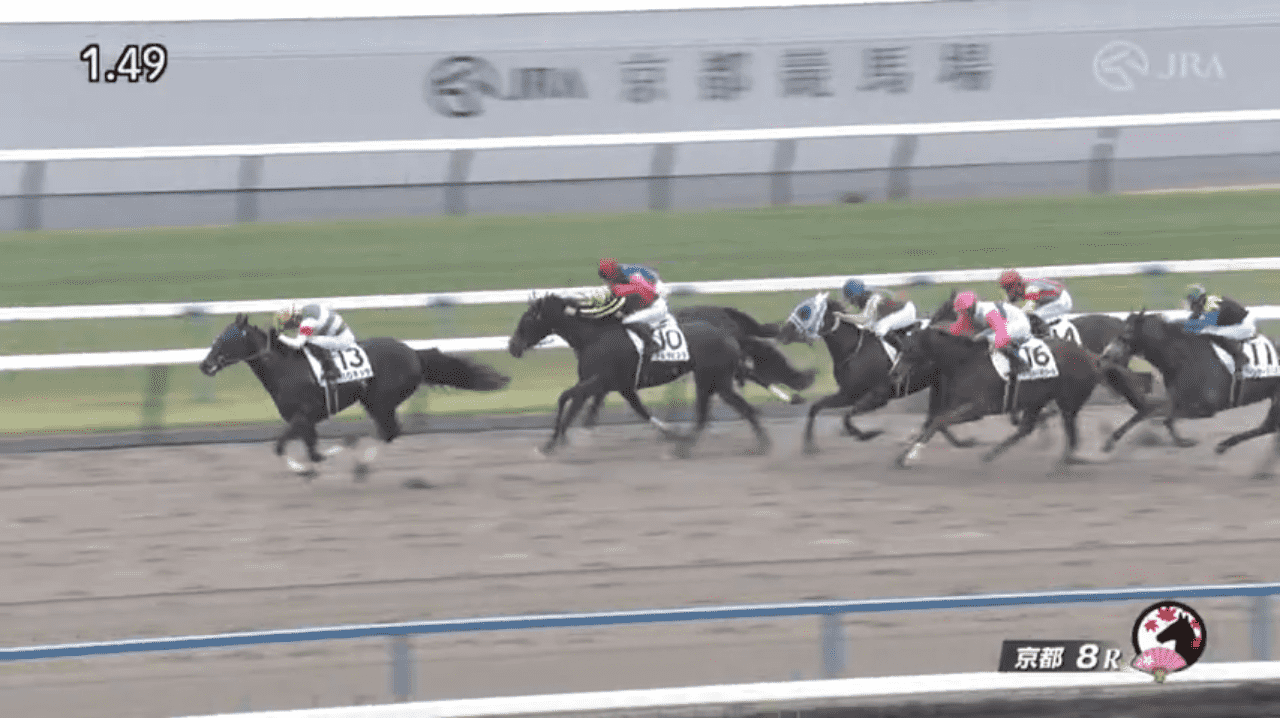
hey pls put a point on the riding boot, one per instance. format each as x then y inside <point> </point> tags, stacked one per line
<point>1039,327</point>
<point>329,369</point>
<point>646,334</point>
<point>1236,350</point>
<point>1016,364</point>
<point>894,339</point>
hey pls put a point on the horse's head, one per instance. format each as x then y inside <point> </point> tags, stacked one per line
<point>946,312</point>
<point>538,321</point>
<point>1129,341</point>
<point>240,341</point>
<point>808,321</point>
<point>914,355</point>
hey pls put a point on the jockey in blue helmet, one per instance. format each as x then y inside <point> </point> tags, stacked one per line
<point>880,312</point>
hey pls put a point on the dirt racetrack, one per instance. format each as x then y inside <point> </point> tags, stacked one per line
<point>113,544</point>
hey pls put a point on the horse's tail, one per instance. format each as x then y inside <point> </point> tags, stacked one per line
<point>443,369</point>
<point>772,367</point>
<point>750,326</point>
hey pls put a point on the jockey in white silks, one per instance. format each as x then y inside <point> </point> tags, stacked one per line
<point>880,313</point>
<point>1000,323</point>
<point>319,326</point>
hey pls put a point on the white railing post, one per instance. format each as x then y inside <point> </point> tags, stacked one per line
<point>401,668</point>
<point>833,648</point>
<point>1260,627</point>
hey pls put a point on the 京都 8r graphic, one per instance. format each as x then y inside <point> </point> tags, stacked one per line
<point>134,63</point>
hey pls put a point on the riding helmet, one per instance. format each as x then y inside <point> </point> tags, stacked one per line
<point>1010,279</point>
<point>610,269</point>
<point>964,301</point>
<point>853,288</point>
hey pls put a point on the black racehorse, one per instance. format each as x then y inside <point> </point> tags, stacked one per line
<point>768,366</point>
<point>976,390</point>
<point>609,362</point>
<point>285,373</point>
<point>861,368</point>
<point>1197,383</point>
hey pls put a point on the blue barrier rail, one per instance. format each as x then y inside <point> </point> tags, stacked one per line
<point>615,618</point>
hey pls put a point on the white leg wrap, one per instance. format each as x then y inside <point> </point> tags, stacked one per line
<point>779,393</point>
<point>295,465</point>
<point>659,423</point>
<point>370,453</point>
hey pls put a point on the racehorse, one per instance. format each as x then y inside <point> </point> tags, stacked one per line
<point>608,362</point>
<point>861,368</point>
<point>768,367</point>
<point>1197,383</point>
<point>976,390</point>
<point>285,373</point>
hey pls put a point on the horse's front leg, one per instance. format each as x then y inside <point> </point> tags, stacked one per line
<point>935,406</point>
<point>1146,410</point>
<point>1179,440</point>
<point>969,411</point>
<point>834,401</point>
<point>633,400</point>
<point>573,397</point>
<point>300,427</point>
<point>593,411</point>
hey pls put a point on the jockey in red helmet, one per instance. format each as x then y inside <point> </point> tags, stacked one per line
<point>320,328</point>
<point>1045,299</point>
<point>1000,323</point>
<point>635,297</point>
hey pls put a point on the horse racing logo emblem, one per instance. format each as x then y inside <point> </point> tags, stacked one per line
<point>1116,64</point>
<point>456,85</point>
<point>1162,624</point>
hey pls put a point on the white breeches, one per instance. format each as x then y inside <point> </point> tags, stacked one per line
<point>1054,310</point>
<point>1242,332</point>
<point>342,341</point>
<point>1018,327</point>
<point>900,319</point>
<point>650,315</point>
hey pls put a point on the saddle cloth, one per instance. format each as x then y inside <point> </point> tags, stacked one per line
<point>672,346</point>
<point>352,362</point>
<point>1263,363</point>
<point>1037,356</point>
<point>1063,329</point>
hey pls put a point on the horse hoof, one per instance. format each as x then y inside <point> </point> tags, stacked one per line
<point>546,449</point>
<point>1263,476</point>
<point>308,475</point>
<point>797,400</point>
<point>683,451</point>
<point>416,484</point>
<point>811,449</point>
<point>361,473</point>
<point>966,443</point>
<point>869,435</point>
<point>1185,443</point>
<point>1109,446</point>
<point>1221,449</point>
<point>761,449</point>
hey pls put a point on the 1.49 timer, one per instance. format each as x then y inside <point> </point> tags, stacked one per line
<point>134,63</point>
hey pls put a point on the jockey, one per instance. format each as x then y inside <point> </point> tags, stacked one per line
<point>881,313</point>
<point>1225,321</point>
<point>1000,323</point>
<point>318,327</point>
<point>635,296</point>
<point>1046,300</point>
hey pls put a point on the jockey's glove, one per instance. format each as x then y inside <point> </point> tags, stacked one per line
<point>295,342</point>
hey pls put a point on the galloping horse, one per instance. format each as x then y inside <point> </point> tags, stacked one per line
<point>861,368</point>
<point>1198,384</point>
<point>398,371</point>
<point>608,362</point>
<point>977,390</point>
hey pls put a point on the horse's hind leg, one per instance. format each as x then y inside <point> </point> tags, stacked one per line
<point>1026,425</point>
<point>703,390</point>
<point>1141,413</point>
<point>1179,440</point>
<point>748,412</point>
<point>388,429</point>
<point>593,411</point>
<point>1269,425</point>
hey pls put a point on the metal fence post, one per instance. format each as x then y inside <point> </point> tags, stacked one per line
<point>1260,628</point>
<point>455,183</point>
<point>155,387</point>
<point>32,189</point>
<point>401,668</point>
<point>660,169</point>
<point>904,152</point>
<point>784,158</point>
<point>1101,164</point>
<point>250,176</point>
<point>833,649</point>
